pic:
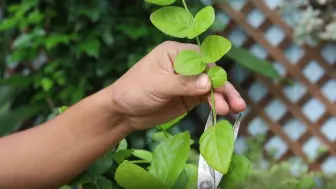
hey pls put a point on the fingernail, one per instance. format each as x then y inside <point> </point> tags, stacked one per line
<point>202,81</point>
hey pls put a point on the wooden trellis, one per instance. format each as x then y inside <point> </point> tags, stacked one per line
<point>276,53</point>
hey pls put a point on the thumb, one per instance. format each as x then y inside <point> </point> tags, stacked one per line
<point>181,85</point>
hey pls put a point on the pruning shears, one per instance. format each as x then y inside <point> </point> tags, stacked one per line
<point>208,178</point>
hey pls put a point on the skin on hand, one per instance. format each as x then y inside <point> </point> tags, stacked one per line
<point>151,92</point>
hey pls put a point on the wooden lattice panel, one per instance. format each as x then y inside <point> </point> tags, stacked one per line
<point>296,119</point>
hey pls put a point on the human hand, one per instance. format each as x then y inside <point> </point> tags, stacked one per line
<point>151,93</point>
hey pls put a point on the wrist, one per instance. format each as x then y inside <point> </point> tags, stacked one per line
<point>117,123</point>
<point>110,105</point>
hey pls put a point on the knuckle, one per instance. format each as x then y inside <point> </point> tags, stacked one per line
<point>168,43</point>
<point>183,82</point>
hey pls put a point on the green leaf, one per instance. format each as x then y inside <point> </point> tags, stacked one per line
<point>131,176</point>
<point>216,146</point>
<point>172,20</point>
<point>192,173</point>
<point>22,40</point>
<point>46,84</point>
<point>161,2</point>
<point>34,17</point>
<point>8,93</point>
<point>251,62</point>
<point>121,155</point>
<point>100,166</point>
<point>92,12</point>
<point>11,120</point>
<point>170,157</point>
<point>104,183</point>
<point>203,20</point>
<point>305,183</point>
<point>239,170</point>
<point>188,178</point>
<point>65,187</point>
<point>217,76</point>
<point>82,178</point>
<point>55,39</point>
<point>8,24</point>
<point>214,47</point>
<point>171,123</point>
<point>160,136</point>
<point>90,186</point>
<point>143,154</point>
<point>90,47</point>
<point>62,109</point>
<point>122,145</point>
<point>188,62</point>
<point>108,38</point>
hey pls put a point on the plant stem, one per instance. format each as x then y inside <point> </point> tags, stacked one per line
<point>214,113</point>
<point>50,102</point>
<point>198,42</point>
<point>185,5</point>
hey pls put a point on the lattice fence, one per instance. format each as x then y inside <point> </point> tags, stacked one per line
<point>297,119</point>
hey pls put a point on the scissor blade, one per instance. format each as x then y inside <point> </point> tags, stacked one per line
<point>206,175</point>
<point>236,126</point>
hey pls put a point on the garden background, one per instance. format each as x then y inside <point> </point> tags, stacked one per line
<point>55,53</point>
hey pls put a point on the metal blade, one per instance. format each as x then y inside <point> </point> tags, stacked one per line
<point>206,175</point>
<point>236,126</point>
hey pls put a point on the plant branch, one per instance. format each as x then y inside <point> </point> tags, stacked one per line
<point>213,102</point>
<point>50,102</point>
<point>185,5</point>
<point>198,41</point>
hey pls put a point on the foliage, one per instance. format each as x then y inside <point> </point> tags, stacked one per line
<point>62,51</point>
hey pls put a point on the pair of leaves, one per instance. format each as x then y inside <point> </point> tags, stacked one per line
<point>239,170</point>
<point>190,62</point>
<point>168,161</point>
<point>178,22</point>
<point>216,146</point>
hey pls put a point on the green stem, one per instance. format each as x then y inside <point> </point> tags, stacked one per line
<point>185,5</point>
<point>214,113</point>
<point>213,102</point>
<point>198,42</point>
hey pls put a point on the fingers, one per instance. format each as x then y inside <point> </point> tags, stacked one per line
<point>180,85</point>
<point>221,105</point>
<point>232,98</point>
